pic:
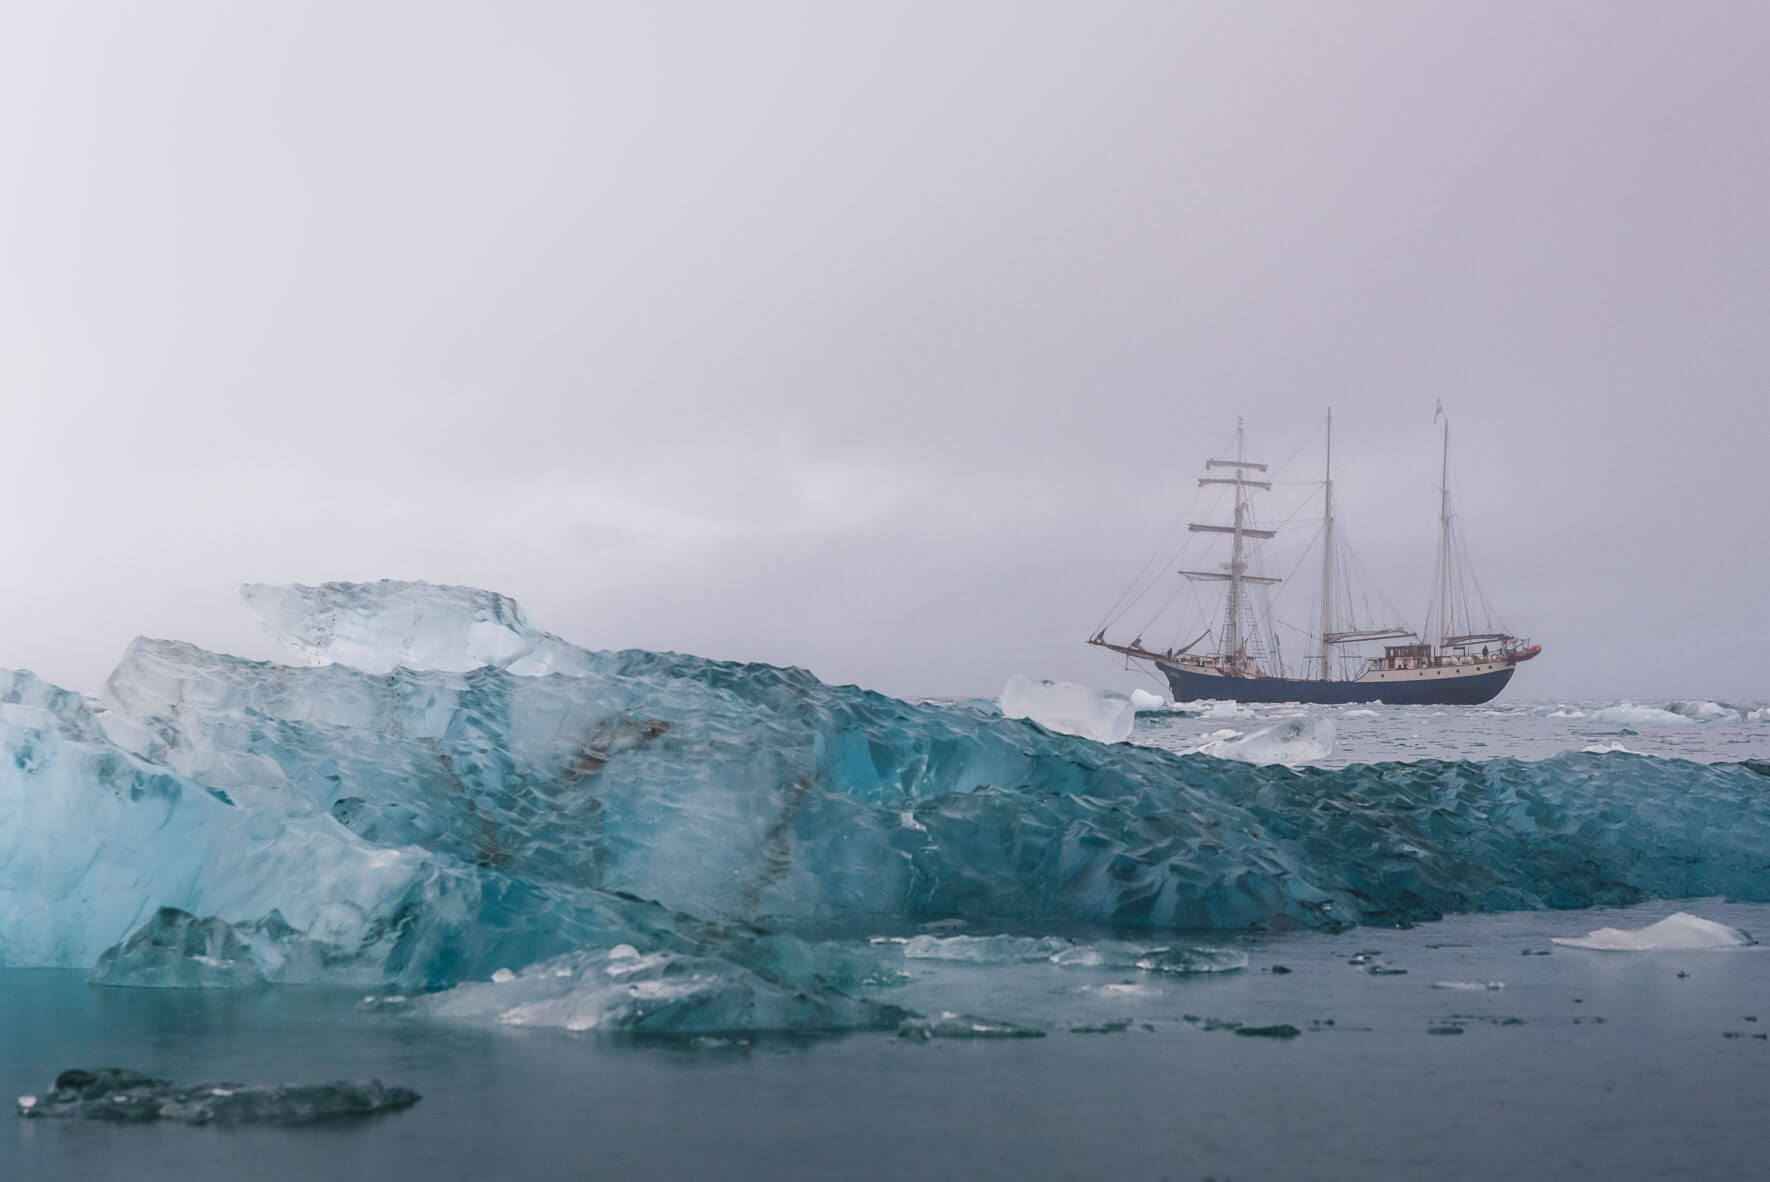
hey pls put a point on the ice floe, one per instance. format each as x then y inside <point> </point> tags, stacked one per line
<point>1675,932</point>
<point>1069,709</point>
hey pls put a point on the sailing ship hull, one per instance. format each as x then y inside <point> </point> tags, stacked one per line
<point>1446,686</point>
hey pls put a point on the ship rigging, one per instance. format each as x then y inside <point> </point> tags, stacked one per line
<point>1452,660</point>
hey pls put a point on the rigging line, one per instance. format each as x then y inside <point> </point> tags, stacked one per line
<point>1307,440</point>
<point>1271,601</point>
<point>1169,602</point>
<point>1150,575</point>
<point>1131,595</point>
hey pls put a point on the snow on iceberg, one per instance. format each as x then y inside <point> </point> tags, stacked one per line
<point>1069,709</point>
<point>1676,932</point>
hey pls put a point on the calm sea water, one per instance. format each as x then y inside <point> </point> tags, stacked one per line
<point>1478,1050</point>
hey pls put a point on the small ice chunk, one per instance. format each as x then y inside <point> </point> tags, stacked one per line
<point>1293,741</point>
<point>1142,701</point>
<point>1629,714</point>
<point>1675,932</point>
<point>1069,709</point>
<point>1469,986</point>
<point>503,977</point>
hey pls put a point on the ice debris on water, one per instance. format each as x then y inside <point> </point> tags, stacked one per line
<point>1470,986</point>
<point>1101,954</point>
<point>951,1025</point>
<point>532,805</point>
<point>119,1095</point>
<point>1069,709</point>
<point>1282,1030</point>
<point>1679,931</point>
<point>627,992</point>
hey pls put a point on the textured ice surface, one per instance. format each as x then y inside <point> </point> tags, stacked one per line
<point>120,1095</point>
<point>1069,709</point>
<point>734,823</point>
<point>1679,931</point>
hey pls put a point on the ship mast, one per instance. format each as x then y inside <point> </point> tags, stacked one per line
<point>1444,556</point>
<point>1236,572</point>
<point>1327,553</point>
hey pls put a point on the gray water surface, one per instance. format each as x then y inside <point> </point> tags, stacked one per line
<point>1585,1064</point>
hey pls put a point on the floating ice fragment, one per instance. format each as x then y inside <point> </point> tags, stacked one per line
<point>661,994</point>
<point>1142,701</point>
<point>1069,709</point>
<point>1608,749</point>
<point>1185,961</point>
<point>1293,741</point>
<point>950,1025</point>
<point>1283,1030</point>
<point>503,977</point>
<point>1702,711</point>
<point>1629,714</point>
<point>1675,932</point>
<point>985,949</point>
<point>1470,986</point>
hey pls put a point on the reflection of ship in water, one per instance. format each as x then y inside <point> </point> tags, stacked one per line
<point>1452,661</point>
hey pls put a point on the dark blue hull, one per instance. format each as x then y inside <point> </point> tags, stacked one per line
<point>1450,690</point>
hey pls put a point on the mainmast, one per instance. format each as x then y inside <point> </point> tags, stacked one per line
<point>1327,553</point>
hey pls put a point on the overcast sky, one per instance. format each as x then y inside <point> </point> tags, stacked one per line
<point>883,339</point>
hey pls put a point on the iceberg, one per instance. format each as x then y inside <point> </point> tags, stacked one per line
<point>1069,709</point>
<point>1677,932</point>
<point>722,834</point>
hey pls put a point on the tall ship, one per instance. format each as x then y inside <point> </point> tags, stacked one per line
<point>1462,656</point>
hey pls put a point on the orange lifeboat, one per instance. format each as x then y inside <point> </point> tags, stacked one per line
<point>1518,656</point>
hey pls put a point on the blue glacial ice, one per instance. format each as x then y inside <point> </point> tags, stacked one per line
<point>526,804</point>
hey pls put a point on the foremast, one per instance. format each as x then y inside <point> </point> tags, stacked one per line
<point>1234,647</point>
